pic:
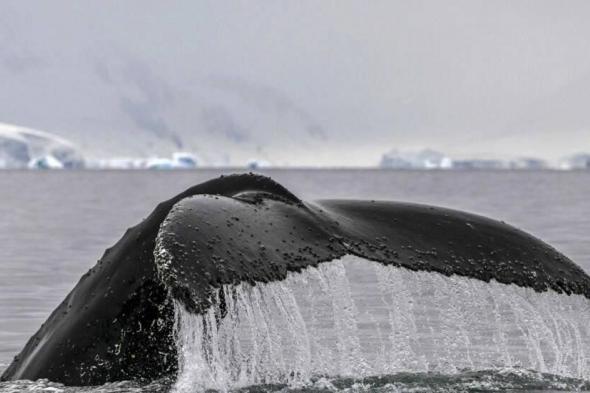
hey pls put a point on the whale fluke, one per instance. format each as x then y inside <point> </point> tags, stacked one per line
<point>117,323</point>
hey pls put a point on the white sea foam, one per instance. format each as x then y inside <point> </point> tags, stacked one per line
<point>355,318</point>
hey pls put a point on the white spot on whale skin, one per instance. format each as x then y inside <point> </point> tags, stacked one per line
<point>355,318</point>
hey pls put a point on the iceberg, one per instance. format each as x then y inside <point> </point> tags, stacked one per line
<point>420,159</point>
<point>479,163</point>
<point>180,160</point>
<point>118,163</point>
<point>27,148</point>
<point>577,161</point>
<point>257,164</point>
<point>46,162</point>
<point>528,163</point>
<point>159,163</point>
<point>184,160</point>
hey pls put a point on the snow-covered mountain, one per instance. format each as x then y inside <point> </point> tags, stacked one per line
<point>126,109</point>
<point>23,147</point>
<point>326,85</point>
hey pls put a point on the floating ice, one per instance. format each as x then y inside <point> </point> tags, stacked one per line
<point>257,164</point>
<point>45,162</point>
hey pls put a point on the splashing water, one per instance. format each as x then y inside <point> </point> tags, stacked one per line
<point>356,318</point>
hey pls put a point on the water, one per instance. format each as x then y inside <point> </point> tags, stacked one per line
<point>55,226</point>
<point>332,321</point>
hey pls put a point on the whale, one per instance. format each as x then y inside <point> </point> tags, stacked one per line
<point>118,322</point>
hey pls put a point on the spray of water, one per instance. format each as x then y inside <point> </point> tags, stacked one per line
<point>355,318</point>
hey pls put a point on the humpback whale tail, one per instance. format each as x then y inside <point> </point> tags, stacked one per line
<point>236,282</point>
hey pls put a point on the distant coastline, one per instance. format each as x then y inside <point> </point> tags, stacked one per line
<point>24,148</point>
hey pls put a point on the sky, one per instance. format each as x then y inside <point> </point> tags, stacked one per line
<point>300,82</point>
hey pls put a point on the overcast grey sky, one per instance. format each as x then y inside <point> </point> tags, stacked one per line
<point>318,82</point>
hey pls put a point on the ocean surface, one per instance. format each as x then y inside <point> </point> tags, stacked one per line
<point>55,225</point>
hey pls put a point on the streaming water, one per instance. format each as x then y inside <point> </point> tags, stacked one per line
<point>333,322</point>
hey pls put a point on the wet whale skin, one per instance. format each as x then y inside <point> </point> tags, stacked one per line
<point>117,322</point>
